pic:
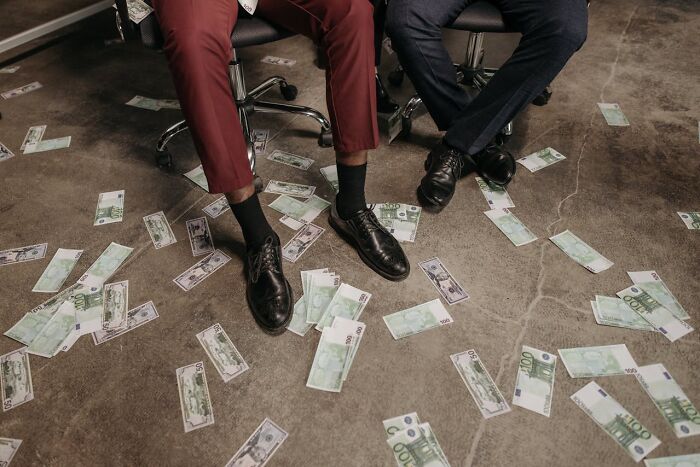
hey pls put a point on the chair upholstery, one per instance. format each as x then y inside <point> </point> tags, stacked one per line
<point>480,16</point>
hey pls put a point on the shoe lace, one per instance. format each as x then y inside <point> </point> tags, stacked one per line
<point>367,223</point>
<point>453,160</point>
<point>264,260</point>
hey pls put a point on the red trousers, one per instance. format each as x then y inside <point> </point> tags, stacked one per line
<point>198,46</point>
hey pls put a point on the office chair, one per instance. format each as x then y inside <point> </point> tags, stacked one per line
<point>249,31</point>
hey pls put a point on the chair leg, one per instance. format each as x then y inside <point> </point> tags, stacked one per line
<point>325,139</point>
<point>265,86</point>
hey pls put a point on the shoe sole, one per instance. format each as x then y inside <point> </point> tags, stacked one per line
<point>283,326</point>
<point>428,204</point>
<point>365,259</point>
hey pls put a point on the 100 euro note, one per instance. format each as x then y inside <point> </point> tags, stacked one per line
<point>348,302</point>
<point>662,319</point>
<point>541,159</point>
<point>651,283</point>
<point>603,360</point>
<point>687,460</point>
<point>328,367</point>
<point>511,226</point>
<point>401,220</point>
<point>57,271</point>
<point>356,330</point>
<point>616,421</point>
<point>195,403</point>
<point>612,311</point>
<point>412,447</point>
<point>581,252</point>
<point>417,319</point>
<point>298,324</point>
<point>534,386</point>
<point>396,424</point>
<point>110,207</point>
<point>57,330</point>
<point>496,196</point>
<point>15,379</point>
<point>106,265</point>
<point>481,386</point>
<point>223,354</point>
<point>321,289</point>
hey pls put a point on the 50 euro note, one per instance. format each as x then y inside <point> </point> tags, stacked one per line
<point>417,319</point>
<point>348,302</point>
<point>481,386</point>
<point>534,385</point>
<point>662,319</point>
<point>57,271</point>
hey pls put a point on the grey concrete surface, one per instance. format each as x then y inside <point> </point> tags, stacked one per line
<point>619,189</point>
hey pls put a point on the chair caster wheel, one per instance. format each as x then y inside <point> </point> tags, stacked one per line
<point>289,92</point>
<point>164,159</point>
<point>396,77</point>
<point>258,184</point>
<point>501,139</point>
<point>543,98</point>
<point>406,125</point>
<point>325,139</point>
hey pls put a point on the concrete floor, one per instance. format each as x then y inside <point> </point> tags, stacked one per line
<point>619,189</point>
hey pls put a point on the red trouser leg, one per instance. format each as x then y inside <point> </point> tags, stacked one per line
<point>198,46</point>
<point>346,30</point>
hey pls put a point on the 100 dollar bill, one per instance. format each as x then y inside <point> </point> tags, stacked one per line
<point>534,386</point>
<point>480,384</point>
<point>260,446</point>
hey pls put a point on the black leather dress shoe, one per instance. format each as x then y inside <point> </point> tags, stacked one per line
<point>268,292</point>
<point>445,165</point>
<point>376,246</point>
<point>384,103</point>
<point>493,163</point>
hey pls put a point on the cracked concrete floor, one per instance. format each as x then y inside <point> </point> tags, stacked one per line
<point>619,189</point>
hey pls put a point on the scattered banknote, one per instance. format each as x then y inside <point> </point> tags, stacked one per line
<point>287,158</point>
<point>495,195</point>
<point>198,177</point>
<point>301,241</point>
<point>21,90</point>
<point>88,305</point>
<point>443,281</point>
<point>330,173</point>
<point>651,283</point>
<point>511,226</point>
<point>417,319</point>
<point>604,360</point>
<point>138,316</point>
<point>613,115</point>
<point>8,448</point>
<point>169,104</point>
<point>138,10</point>
<point>322,288</point>
<point>149,103</point>
<point>15,379</point>
<point>223,354</point>
<point>328,367</point>
<point>195,402</point>
<point>401,220</point>
<point>5,153</point>
<point>33,136</point>
<point>356,330</point>
<point>670,399</point>
<point>106,265</point>
<point>9,69</point>
<point>534,386</point>
<point>159,230</point>
<point>201,240</point>
<point>348,302</point>
<point>201,270</point>
<point>22,254</point>
<point>115,313</point>
<point>290,189</point>
<point>110,208</point>
<point>292,223</point>
<point>687,460</point>
<point>260,446</point>
<point>298,324</point>
<point>541,159</point>
<point>57,330</point>
<point>302,211</point>
<point>278,61</point>
<point>481,386</point>
<point>57,271</point>
<point>581,252</point>
<point>216,208</point>
<point>396,424</point>
<point>417,447</point>
<point>616,421</point>
<point>690,219</point>
<point>612,311</point>
<point>49,145</point>
<point>655,313</point>
<point>260,138</point>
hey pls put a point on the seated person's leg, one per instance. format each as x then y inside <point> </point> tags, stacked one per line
<point>384,102</point>
<point>198,46</point>
<point>344,29</point>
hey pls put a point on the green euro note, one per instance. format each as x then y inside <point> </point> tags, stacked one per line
<point>612,311</point>
<point>581,252</point>
<point>106,265</point>
<point>328,367</point>
<point>57,271</point>
<point>348,302</point>
<point>417,319</point>
<point>511,226</point>
<point>652,311</point>
<point>603,360</point>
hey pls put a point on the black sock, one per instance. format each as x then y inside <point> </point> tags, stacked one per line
<point>351,195</point>
<point>252,220</point>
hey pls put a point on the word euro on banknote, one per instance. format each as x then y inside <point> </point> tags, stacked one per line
<point>511,226</point>
<point>223,354</point>
<point>216,208</point>
<point>651,283</point>
<point>581,252</point>
<point>33,136</point>
<point>613,114</point>
<point>110,208</point>
<point>690,219</point>
<point>348,302</point>
<point>21,90</point>
<point>655,313</point>
<point>260,446</point>
<point>197,176</point>
<point>57,271</point>
<point>301,241</point>
<point>541,159</point>
<point>115,306</point>
<point>159,230</point>
<point>417,319</point>
<point>5,153</point>
<point>534,385</point>
<point>195,403</point>
<point>481,386</point>
<point>23,254</point>
<point>401,220</point>
<point>496,196</point>
<point>292,160</point>
<point>138,316</point>
<point>612,311</point>
<point>604,360</point>
<point>443,281</point>
<point>15,379</point>
<point>201,270</point>
<point>201,240</point>
<point>106,265</point>
<point>290,189</point>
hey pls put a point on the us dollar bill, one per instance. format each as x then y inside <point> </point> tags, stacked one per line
<point>396,424</point>
<point>687,460</point>
<point>15,379</point>
<point>613,114</point>
<point>8,448</point>
<point>201,240</point>
<point>330,173</point>
<point>197,176</point>
<point>33,136</point>
<point>23,254</point>
<point>216,208</point>
<point>417,319</point>
<point>541,159</point>
<point>652,311</point>
<point>201,270</point>
<point>496,196</point>
<point>272,60</point>
<point>138,10</point>
<point>511,226</point>
<point>5,153</point>
<point>292,160</point>
<point>534,385</point>
<point>195,403</point>
<point>21,90</point>
<point>612,311</point>
<point>144,103</point>
<point>328,367</point>
<point>49,145</point>
<point>57,271</point>
<point>604,360</point>
<point>348,302</point>
<point>110,208</point>
<point>481,386</point>
<point>9,69</point>
<point>159,230</point>
<point>401,220</point>
<point>322,288</point>
<point>443,281</point>
<point>289,189</point>
<point>581,252</point>
<point>259,138</point>
<point>298,324</point>
<point>115,311</point>
<point>136,317</point>
<point>690,219</point>
<point>106,265</point>
<point>223,354</point>
<point>616,421</point>
<point>651,283</point>
<point>57,330</point>
<point>670,399</point>
<point>260,446</point>
<point>301,241</point>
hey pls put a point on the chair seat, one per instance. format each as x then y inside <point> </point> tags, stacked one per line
<point>480,16</point>
<point>256,31</point>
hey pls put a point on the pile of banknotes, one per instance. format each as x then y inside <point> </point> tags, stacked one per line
<point>414,443</point>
